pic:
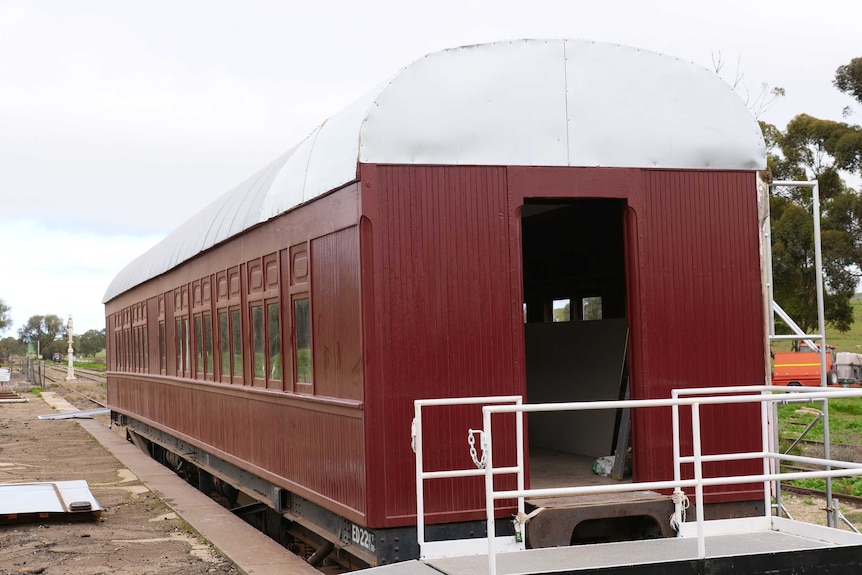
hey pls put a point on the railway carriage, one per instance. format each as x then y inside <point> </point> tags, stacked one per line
<point>561,220</point>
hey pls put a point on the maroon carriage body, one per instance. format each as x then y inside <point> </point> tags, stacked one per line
<point>288,328</point>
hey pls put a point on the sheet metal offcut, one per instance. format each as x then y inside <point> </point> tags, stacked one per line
<point>77,414</point>
<point>24,502</point>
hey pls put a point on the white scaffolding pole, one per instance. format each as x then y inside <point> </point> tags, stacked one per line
<point>821,316</point>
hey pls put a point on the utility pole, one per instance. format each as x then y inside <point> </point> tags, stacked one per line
<point>70,372</point>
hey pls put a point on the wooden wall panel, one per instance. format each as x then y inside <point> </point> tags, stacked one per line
<point>337,317</point>
<point>439,323</point>
<point>314,450</point>
<point>699,319</point>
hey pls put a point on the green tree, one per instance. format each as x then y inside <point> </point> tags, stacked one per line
<point>563,313</point>
<point>48,331</point>
<point>794,272</point>
<point>812,148</point>
<point>819,149</point>
<point>848,79</point>
<point>9,347</point>
<point>90,342</point>
<point>5,318</point>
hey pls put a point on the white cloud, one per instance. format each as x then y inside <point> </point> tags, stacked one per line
<point>49,271</point>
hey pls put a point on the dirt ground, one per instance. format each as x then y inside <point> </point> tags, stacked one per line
<point>136,534</point>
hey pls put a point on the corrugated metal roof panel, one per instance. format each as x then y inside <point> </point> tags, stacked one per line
<point>526,102</point>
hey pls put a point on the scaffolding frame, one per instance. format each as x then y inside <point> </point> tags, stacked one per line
<point>798,333</point>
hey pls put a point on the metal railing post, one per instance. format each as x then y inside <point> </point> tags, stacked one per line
<point>677,466</point>
<point>427,548</point>
<point>767,463</point>
<point>698,477</point>
<point>821,326</point>
<point>821,322</point>
<point>519,457</point>
<point>776,465</point>
<point>489,490</point>
<point>420,482</point>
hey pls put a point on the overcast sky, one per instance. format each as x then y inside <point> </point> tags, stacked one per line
<point>120,119</point>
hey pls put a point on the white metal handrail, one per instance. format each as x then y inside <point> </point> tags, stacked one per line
<point>693,398</point>
<point>433,548</point>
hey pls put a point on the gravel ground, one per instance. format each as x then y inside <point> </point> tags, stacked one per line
<point>812,509</point>
<point>136,534</point>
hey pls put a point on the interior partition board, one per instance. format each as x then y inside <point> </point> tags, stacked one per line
<point>574,361</point>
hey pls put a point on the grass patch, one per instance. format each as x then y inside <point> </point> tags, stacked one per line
<point>850,340</point>
<point>845,426</point>
<point>90,365</point>
<point>840,485</point>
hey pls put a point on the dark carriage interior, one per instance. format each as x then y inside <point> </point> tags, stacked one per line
<point>575,331</point>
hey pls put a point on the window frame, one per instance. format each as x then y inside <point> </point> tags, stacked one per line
<point>306,387</point>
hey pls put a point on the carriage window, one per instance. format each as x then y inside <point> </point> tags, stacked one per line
<point>180,349</point>
<point>236,342</point>
<point>199,346</point>
<point>183,360</point>
<point>163,354</point>
<point>127,339</point>
<point>302,344</point>
<point>591,308</point>
<point>203,345</point>
<point>187,364</point>
<point>136,349</point>
<point>562,310</point>
<point>224,338</point>
<point>142,353</point>
<point>274,366</point>
<point>257,340</point>
<point>208,343</point>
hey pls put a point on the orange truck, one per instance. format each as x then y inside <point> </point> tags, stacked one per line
<point>802,367</point>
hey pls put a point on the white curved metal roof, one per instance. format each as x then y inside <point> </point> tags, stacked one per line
<point>525,102</point>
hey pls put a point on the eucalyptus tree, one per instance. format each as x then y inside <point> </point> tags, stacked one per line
<point>5,318</point>
<point>813,148</point>
<point>46,331</point>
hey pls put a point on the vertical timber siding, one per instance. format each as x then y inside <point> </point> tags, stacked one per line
<point>312,450</point>
<point>441,325</point>
<point>699,313</point>
<point>337,315</point>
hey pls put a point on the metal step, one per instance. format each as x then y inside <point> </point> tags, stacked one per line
<point>645,513</point>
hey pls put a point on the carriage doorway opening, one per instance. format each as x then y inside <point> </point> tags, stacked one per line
<point>575,332</point>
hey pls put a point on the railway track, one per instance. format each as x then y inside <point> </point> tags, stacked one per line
<point>849,452</point>
<point>833,445</point>
<point>88,374</point>
<point>87,388</point>
<point>855,500</point>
